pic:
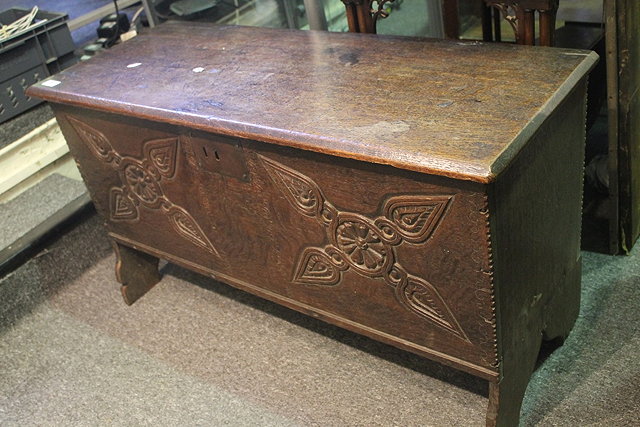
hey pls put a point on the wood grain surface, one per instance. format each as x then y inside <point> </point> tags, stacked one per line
<point>462,110</point>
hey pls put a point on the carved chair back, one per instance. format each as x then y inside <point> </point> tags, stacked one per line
<point>363,15</point>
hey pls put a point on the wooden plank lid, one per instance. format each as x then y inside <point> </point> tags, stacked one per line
<point>457,109</point>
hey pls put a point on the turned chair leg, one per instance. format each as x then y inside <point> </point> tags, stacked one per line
<point>136,271</point>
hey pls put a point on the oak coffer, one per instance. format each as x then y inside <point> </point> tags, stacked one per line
<point>424,193</point>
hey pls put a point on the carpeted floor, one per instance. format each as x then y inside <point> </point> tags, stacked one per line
<point>17,127</point>
<point>34,206</point>
<point>196,352</point>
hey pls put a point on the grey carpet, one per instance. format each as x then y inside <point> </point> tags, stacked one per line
<point>17,127</point>
<point>196,352</point>
<point>31,208</point>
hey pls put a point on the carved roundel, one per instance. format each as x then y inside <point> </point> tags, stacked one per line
<point>362,245</point>
<point>141,183</point>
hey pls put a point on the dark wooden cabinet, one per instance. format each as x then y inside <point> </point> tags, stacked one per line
<point>623,81</point>
<point>397,187</point>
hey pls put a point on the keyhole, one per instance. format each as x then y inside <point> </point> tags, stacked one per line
<point>215,153</point>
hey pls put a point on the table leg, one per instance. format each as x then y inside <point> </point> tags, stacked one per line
<point>136,271</point>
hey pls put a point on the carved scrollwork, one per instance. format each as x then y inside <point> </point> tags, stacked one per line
<point>141,182</point>
<point>380,11</point>
<point>515,12</point>
<point>363,15</point>
<point>367,246</point>
<point>510,13</point>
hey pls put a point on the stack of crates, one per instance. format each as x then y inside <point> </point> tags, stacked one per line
<point>31,55</point>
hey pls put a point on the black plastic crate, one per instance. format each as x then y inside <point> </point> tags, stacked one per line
<point>31,55</point>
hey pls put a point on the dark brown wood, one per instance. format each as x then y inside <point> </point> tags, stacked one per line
<point>487,24</point>
<point>547,27</point>
<point>627,115</point>
<point>526,201</point>
<point>365,21</point>
<point>427,116</point>
<point>527,29</point>
<point>136,271</point>
<point>429,228</point>
<point>611,41</point>
<point>579,36</point>
<point>497,27</point>
<point>361,17</point>
<point>308,195</point>
<point>352,20</point>
<point>450,18</point>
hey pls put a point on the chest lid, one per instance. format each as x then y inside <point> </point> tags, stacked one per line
<point>458,109</point>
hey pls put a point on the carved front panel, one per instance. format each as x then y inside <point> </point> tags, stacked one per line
<point>368,246</point>
<point>141,182</point>
<point>400,253</point>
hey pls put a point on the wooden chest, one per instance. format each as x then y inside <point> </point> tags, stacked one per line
<point>424,193</point>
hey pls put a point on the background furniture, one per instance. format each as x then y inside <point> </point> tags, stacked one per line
<point>362,16</point>
<point>622,20</point>
<point>521,16</point>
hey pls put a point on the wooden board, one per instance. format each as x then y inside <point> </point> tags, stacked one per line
<point>457,109</point>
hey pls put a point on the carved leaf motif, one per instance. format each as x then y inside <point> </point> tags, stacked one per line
<point>316,268</point>
<point>416,217</point>
<point>299,189</point>
<point>121,206</point>
<point>187,227</point>
<point>422,298</point>
<point>162,153</point>
<point>97,142</point>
